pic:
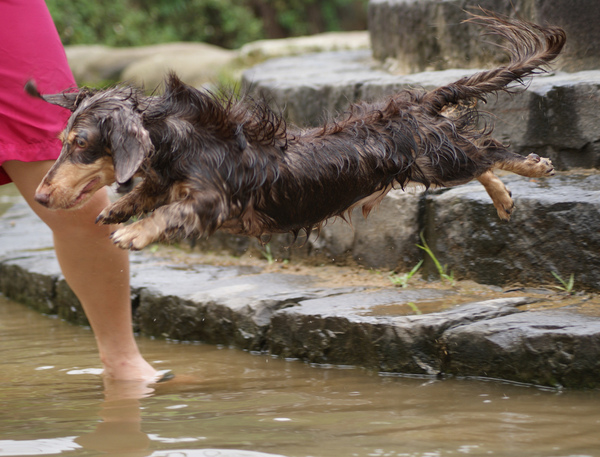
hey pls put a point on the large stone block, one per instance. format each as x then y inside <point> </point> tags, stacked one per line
<point>387,239</point>
<point>35,290</point>
<point>429,34</point>
<point>579,18</point>
<point>312,87</point>
<point>196,63</point>
<point>546,348</point>
<point>553,228</point>
<point>228,310</point>
<point>340,329</point>
<point>321,42</point>
<point>557,117</point>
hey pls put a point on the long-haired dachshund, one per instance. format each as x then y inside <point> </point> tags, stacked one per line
<point>208,162</point>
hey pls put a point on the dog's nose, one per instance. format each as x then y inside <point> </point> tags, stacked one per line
<point>43,198</point>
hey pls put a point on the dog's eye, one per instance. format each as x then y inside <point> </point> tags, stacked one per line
<point>80,143</point>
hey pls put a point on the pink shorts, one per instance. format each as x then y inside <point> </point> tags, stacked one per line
<point>30,48</point>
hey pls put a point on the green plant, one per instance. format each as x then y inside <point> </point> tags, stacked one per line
<point>268,254</point>
<point>226,23</point>
<point>414,307</point>
<point>567,286</point>
<point>402,280</point>
<point>442,271</point>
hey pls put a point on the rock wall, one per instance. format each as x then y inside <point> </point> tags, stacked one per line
<point>426,35</point>
<point>552,229</point>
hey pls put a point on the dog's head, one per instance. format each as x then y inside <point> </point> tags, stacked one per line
<point>104,141</point>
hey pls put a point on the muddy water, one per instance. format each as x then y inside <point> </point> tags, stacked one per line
<point>225,402</point>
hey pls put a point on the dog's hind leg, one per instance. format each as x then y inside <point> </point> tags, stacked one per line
<point>532,166</point>
<point>500,195</point>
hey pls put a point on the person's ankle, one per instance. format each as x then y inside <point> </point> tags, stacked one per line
<point>128,370</point>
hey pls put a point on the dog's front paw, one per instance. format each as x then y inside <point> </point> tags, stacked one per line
<point>540,165</point>
<point>111,215</point>
<point>131,237</point>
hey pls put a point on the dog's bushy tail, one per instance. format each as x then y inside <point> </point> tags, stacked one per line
<point>531,47</point>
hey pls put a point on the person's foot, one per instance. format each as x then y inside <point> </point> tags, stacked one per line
<point>131,370</point>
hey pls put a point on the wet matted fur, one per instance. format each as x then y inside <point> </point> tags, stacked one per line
<point>208,163</point>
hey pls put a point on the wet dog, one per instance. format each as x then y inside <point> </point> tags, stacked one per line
<point>208,162</point>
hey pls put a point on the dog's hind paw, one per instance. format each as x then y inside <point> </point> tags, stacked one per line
<point>499,193</point>
<point>539,166</point>
<point>504,205</point>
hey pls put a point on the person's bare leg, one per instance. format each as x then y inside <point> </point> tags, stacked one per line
<point>95,269</point>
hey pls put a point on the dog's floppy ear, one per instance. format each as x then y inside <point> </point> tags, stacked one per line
<point>69,100</point>
<point>130,143</point>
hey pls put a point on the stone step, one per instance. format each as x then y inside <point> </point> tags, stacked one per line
<point>530,336</point>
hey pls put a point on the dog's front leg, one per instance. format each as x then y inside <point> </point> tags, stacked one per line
<point>196,215</point>
<point>139,201</point>
<point>141,233</point>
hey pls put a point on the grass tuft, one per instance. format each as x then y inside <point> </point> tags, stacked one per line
<point>567,286</point>
<point>442,271</point>
<point>402,280</point>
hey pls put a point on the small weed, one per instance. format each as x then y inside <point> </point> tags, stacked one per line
<point>268,254</point>
<point>402,280</point>
<point>444,276</point>
<point>414,307</point>
<point>567,286</point>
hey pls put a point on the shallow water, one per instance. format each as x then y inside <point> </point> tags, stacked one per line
<point>225,402</point>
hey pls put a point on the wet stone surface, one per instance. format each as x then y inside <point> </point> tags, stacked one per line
<point>546,348</point>
<point>309,317</point>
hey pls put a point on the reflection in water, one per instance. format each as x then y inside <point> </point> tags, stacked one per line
<point>120,429</point>
<point>226,403</point>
